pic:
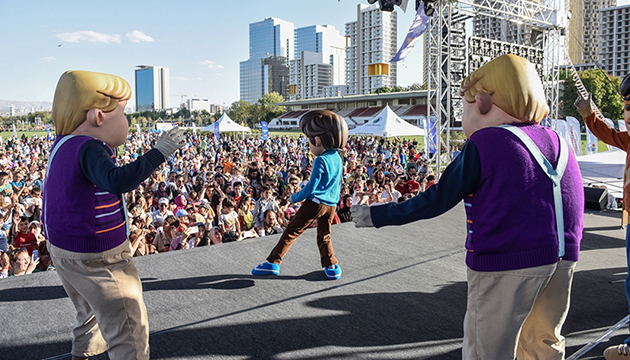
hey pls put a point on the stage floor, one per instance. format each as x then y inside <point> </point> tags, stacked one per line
<point>402,295</point>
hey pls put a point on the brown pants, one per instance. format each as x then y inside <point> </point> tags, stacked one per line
<point>308,212</point>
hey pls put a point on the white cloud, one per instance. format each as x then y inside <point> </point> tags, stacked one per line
<point>89,35</point>
<point>49,58</point>
<point>181,78</point>
<point>138,36</point>
<point>211,64</point>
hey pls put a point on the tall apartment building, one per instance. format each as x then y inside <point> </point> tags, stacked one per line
<point>592,26</point>
<point>371,44</point>
<point>614,45</point>
<point>320,60</point>
<point>576,31</point>
<point>271,37</point>
<point>309,74</point>
<point>152,88</point>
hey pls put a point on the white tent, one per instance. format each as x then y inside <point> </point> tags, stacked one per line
<point>605,168</point>
<point>226,125</point>
<point>387,124</point>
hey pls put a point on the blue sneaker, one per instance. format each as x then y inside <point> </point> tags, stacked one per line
<point>266,268</point>
<point>333,272</point>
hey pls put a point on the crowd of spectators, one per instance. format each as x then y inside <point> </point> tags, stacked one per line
<point>209,192</point>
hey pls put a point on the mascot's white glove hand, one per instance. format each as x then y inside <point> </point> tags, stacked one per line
<point>361,216</point>
<point>170,141</point>
<point>583,105</point>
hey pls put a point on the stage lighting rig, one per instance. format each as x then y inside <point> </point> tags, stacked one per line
<point>388,5</point>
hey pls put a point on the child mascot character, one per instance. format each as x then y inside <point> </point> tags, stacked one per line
<point>327,133</point>
<point>85,217</point>
<point>621,140</point>
<point>524,201</point>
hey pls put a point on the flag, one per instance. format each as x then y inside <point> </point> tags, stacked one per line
<point>138,128</point>
<point>418,27</point>
<point>575,137</point>
<point>14,131</point>
<point>265,130</point>
<point>591,142</point>
<point>194,128</point>
<point>217,133</point>
<point>429,134</point>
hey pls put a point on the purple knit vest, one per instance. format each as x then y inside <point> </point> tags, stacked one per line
<point>511,218</point>
<point>78,216</point>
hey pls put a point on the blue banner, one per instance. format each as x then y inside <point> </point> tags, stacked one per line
<point>418,27</point>
<point>217,134</point>
<point>265,130</point>
<point>430,137</point>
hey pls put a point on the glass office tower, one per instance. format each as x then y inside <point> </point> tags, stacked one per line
<point>152,88</point>
<point>268,38</point>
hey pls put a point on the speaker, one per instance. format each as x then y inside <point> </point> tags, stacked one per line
<point>595,198</point>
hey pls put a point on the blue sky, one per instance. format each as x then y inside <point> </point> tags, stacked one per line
<point>201,42</point>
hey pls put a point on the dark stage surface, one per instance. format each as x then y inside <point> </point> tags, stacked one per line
<point>402,295</point>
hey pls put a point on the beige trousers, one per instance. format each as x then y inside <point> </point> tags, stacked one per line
<point>106,291</point>
<point>517,313</point>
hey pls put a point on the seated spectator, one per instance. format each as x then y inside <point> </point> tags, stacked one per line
<point>166,233</point>
<point>228,221</point>
<point>23,263</point>
<point>344,212</point>
<point>159,215</point>
<point>139,245</point>
<point>23,238</point>
<point>266,202</point>
<point>215,235</point>
<point>201,236</point>
<point>412,186</point>
<point>271,225</point>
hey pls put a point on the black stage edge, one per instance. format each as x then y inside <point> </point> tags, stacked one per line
<point>402,295</point>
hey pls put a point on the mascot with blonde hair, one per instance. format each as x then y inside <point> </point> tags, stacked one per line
<point>85,218</point>
<point>524,202</point>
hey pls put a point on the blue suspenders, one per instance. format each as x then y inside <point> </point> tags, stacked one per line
<point>554,174</point>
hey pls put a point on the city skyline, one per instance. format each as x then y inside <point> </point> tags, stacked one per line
<point>201,43</point>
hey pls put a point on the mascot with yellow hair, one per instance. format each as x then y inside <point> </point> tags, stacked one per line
<point>85,218</point>
<point>524,202</point>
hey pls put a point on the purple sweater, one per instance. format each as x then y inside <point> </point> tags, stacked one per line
<point>508,200</point>
<point>83,207</point>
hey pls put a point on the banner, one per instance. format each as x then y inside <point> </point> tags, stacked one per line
<point>265,130</point>
<point>622,125</point>
<point>14,131</point>
<point>429,135</point>
<point>611,125</point>
<point>563,130</point>
<point>591,143</point>
<point>138,128</point>
<point>418,27</point>
<point>194,128</point>
<point>575,135</point>
<point>217,134</point>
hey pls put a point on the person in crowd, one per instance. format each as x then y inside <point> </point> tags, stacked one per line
<point>22,237</point>
<point>88,113</point>
<point>271,225</point>
<point>228,221</point>
<point>264,203</point>
<point>327,133</point>
<point>159,215</point>
<point>23,263</point>
<point>344,212</point>
<point>621,140</point>
<point>520,269</point>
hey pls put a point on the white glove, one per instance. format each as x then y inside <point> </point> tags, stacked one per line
<point>583,105</point>
<point>170,141</point>
<point>361,216</point>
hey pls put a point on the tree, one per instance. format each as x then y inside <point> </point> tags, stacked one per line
<point>241,111</point>
<point>266,111</point>
<point>397,88</point>
<point>382,90</point>
<point>416,87</point>
<point>604,90</point>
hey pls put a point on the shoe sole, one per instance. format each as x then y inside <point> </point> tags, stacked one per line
<point>264,272</point>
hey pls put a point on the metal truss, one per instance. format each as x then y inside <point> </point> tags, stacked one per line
<point>444,102</point>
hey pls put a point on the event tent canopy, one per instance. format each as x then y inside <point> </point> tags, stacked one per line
<point>387,124</point>
<point>605,168</point>
<point>226,125</point>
